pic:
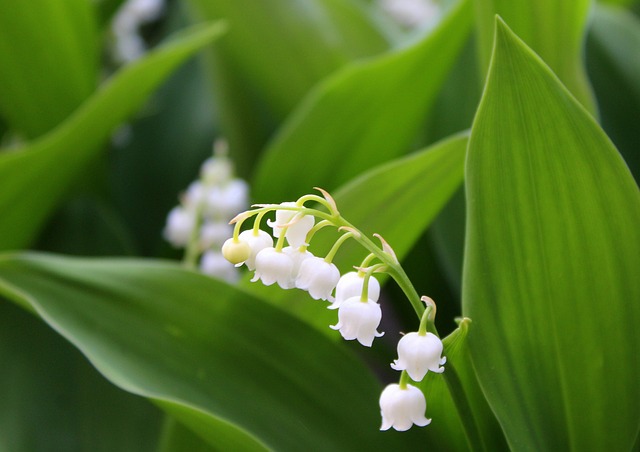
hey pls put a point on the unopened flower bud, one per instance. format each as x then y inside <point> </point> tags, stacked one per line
<point>236,251</point>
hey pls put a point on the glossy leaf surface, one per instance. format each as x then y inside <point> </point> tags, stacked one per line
<point>229,366</point>
<point>550,276</point>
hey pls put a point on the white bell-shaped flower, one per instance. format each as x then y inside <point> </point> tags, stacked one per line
<point>274,266</point>
<point>350,285</point>
<point>402,407</point>
<point>300,226</point>
<point>180,223</point>
<point>257,242</point>
<point>214,264</point>
<point>418,354</point>
<point>298,255</point>
<point>319,277</point>
<point>359,320</point>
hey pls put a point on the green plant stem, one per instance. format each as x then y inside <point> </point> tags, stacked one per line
<point>471,429</point>
<point>192,252</point>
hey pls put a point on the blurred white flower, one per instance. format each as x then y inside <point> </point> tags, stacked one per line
<point>418,354</point>
<point>359,320</point>
<point>351,284</point>
<point>214,233</point>
<point>225,201</point>
<point>411,13</point>
<point>402,407</point>
<point>318,277</point>
<point>274,266</point>
<point>180,223</point>
<point>214,264</point>
<point>132,14</point>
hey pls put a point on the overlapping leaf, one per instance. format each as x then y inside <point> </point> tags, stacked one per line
<point>48,61</point>
<point>365,115</point>
<point>234,369</point>
<point>275,52</point>
<point>35,177</point>
<point>550,276</point>
<point>554,29</point>
<point>613,61</point>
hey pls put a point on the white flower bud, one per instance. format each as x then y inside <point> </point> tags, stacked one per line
<point>180,223</point>
<point>297,232</point>
<point>274,266</point>
<point>359,320</point>
<point>257,242</point>
<point>419,354</point>
<point>350,285</point>
<point>318,277</point>
<point>236,251</point>
<point>401,408</point>
<point>214,264</point>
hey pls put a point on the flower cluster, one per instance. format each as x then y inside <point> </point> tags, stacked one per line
<point>200,223</point>
<point>288,263</point>
<point>128,44</point>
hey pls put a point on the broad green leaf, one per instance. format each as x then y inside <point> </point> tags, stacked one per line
<point>53,399</point>
<point>49,55</point>
<point>613,61</point>
<point>362,116</point>
<point>178,438</point>
<point>229,366</point>
<point>275,52</point>
<point>554,29</point>
<point>550,277</point>
<point>34,177</point>
<point>397,200</point>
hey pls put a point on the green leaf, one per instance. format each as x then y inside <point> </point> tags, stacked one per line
<point>613,61</point>
<point>275,52</point>
<point>232,368</point>
<point>49,55</point>
<point>554,29</point>
<point>36,176</point>
<point>53,399</point>
<point>410,191</point>
<point>550,276</point>
<point>448,431</point>
<point>365,115</point>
